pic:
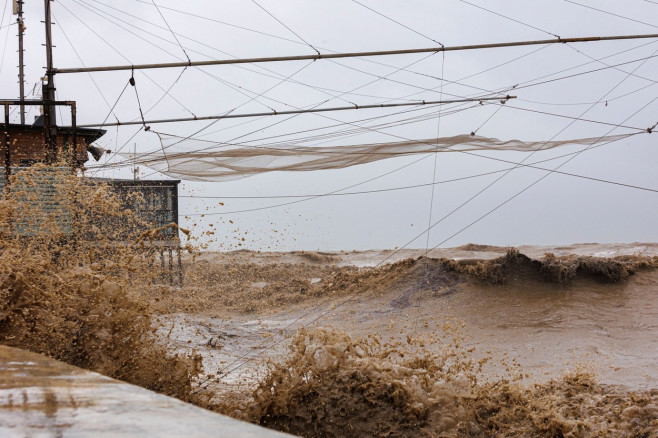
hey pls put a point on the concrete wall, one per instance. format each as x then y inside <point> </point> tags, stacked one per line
<point>41,397</point>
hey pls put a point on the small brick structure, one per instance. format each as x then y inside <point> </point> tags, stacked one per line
<point>158,199</point>
<point>27,143</point>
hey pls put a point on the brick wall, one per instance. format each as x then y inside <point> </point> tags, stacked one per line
<point>28,146</point>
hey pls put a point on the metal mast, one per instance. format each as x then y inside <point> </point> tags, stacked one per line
<point>21,73</point>
<point>49,119</point>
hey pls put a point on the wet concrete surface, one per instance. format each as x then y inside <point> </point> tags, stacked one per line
<point>42,397</point>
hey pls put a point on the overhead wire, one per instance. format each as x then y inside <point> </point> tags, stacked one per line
<point>2,58</point>
<point>431,206</point>
<point>172,32</point>
<point>611,13</point>
<point>511,19</point>
<point>120,53</point>
<point>513,86</point>
<point>285,25</point>
<point>271,73</point>
<point>397,22</point>
<point>89,75</point>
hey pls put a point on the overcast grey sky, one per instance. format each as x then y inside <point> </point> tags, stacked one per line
<point>557,210</point>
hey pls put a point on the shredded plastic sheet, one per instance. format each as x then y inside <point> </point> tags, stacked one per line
<point>216,163</point>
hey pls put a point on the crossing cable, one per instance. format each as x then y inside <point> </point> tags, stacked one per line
<point>278,76</point>
<point>474,132</point>
<point>515,86</point>
<point>608,65</point>
<point>539,179</point>
<point>305,84</point>
<point>120,53</point>
<point>397,22</point>
<point>612,66</point>
<point>167,91</point>
<point>114,20</point>
<point>124,57</point>
<point>4,12</point>
<point>170,30</point>
<point>511,19</point>
<point>252,29</point>
<point>272,73</point>
<point>117,150</point>
<point>239,106</point>
<point>411,71</point>
<point>644,59</point>
<point>286,26</point>
<point>611,13</point>
<point>115,104</point>
<point>141,113</point>
<point>89,75</point>
<point>317,88</point>
<point>211,75</point>
<point>429,217</point>
<point>226,114</point>
<point>294,41</point>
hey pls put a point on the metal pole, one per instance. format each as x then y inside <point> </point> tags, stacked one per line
<point>50,120</point>
<point>318,110</point>
<point>74,138</point>
<point>21,73</point>
<point>7,152</point>
<point>49,141</point>
<point>348,55</point>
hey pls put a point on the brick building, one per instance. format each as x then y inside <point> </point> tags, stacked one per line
<point>27,143</point>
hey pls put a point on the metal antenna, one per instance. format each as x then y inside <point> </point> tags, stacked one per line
<point>50,120</point>
<point>18,8</point>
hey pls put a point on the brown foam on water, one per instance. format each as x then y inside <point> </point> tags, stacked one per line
<point>71,296</point>
<point>332,385</point>
<point>554,269</point>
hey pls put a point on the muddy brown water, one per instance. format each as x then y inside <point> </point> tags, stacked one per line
<point>331,344</point>
<point>588,338</point>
